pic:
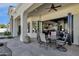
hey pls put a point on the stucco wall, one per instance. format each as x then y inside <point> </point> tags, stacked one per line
<point>76,29</point>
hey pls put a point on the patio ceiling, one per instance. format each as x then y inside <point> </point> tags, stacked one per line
<point>43,8</point>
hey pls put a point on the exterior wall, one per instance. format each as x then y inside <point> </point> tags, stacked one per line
<point>11,25</point>
<point>15,28</point>
<point>76,29</point>
<point>11,12</point>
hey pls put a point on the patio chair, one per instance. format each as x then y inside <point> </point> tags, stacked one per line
<point>61,42</point>
<point>43,41</point>
<point>42,36</point>
<point>53,36</point>
<point>51,40</point>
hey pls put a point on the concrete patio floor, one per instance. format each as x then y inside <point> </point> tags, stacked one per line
<point>33,49</point>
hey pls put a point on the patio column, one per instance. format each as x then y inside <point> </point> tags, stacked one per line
<point>41,26</point>
<point>15,27</point>
<point>11,25</point>
<point>23,27</point>
<point>31,27</point>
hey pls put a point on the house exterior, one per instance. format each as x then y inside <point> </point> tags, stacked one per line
<point>26,17</point>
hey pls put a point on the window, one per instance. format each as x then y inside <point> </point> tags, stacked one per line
<point>28,27</point>
<point>34,26</point>
<point>19,30</point>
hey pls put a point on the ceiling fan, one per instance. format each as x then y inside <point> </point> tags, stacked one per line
<point>54,7</point>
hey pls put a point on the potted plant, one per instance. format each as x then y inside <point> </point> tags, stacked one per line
<point>8,34</point>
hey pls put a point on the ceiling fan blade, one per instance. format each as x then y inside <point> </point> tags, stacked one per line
<point>54,9</point>
<point>58,6</point>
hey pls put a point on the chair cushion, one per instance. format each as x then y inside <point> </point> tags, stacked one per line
<point>53,35</point>
<point>42,36</point>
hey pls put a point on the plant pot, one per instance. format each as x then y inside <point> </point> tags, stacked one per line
<point>27,39</point>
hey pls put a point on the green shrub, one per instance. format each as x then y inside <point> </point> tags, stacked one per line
<point>7,33</point>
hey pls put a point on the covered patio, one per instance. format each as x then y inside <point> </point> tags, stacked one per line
<point>52,17</point>
<point>33,13</point>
